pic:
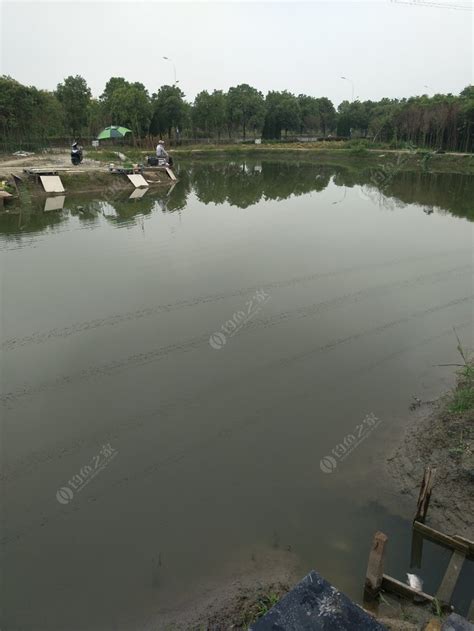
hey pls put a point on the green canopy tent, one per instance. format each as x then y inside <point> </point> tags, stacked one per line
<point>113,132</point>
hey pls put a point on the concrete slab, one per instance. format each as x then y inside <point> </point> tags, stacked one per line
<point>52,183</point>
<point>54,203</point>
<point>137,180</point>
<point>138,193</point>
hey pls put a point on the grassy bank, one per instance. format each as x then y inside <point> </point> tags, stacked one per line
<point>342,153</point>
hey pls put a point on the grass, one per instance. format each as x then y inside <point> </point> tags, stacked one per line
<point>261,607</point>
<point>462,400</point>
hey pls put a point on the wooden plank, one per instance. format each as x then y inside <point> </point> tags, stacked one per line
<point>443,540</point>
<point>171,174</point>
<point>425,494</point>
<point>448,584</point>
<point>468,542</point>
<point>390,584</point>
<point>374,574</point>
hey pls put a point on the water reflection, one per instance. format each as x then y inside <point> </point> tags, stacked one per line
<point>244,184</point>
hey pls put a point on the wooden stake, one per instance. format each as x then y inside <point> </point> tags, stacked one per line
<point>425,494</point>
<point>416,549</point>
<point>374,575</point>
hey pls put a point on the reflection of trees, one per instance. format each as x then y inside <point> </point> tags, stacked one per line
<point>29,218</point>
<point>244,183</point>
<point>451,192</point>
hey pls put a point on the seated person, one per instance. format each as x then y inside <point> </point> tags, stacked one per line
<point>161,153</point>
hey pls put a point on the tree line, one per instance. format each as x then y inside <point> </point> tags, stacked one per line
<point>443,121</point>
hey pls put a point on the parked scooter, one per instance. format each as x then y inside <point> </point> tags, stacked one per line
<point>76,154</point>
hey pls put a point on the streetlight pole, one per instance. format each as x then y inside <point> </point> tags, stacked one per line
<point>174,68</point>
<point>352,84</point>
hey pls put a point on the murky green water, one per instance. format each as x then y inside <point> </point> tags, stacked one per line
<point>176,367</point>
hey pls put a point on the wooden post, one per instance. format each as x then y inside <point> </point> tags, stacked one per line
<point>425,494</point>
<point>16,179</point>
<point>416,549</point>
<point>374,576</point>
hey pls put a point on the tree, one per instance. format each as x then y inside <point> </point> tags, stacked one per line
<point>309,112</point>
<point>327,115</point>
<point>28,114</point>
<point>169,110</point>
<point>282,112</point>
<point>245,107</point>
<point>49,118</point>
<point>130,106</point>
<point>468,92</point>
<point>114,83</point>
<point>209,112</point>
<point>75,96</point>
<point>97,118</point>
<point>353,115</point>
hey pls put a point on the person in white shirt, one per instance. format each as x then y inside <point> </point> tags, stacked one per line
<point>161,151</point>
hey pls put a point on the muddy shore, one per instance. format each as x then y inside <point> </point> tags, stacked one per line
<point>442,436</point>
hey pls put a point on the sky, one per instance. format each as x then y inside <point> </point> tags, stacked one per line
<point>387,48</point>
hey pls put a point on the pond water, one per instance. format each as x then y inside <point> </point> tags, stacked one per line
<point>196,377</point>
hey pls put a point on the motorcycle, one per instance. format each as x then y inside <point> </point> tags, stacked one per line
<point>76,154</point>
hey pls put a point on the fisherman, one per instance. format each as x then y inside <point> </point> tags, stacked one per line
<point>161,151</point>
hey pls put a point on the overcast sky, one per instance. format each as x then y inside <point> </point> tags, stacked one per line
<point>385,47</point>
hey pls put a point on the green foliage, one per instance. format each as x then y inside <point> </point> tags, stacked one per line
<point>437,123</point>
<point>129,106</point>
<point>209,112</point>
<point>282,113</point>
<point>75,96</point>
<point>358,150</point>
<point>27,113</point>
<point>169,110</point>
<point>245,108</point>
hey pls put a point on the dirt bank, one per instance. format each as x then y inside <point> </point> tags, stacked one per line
<point>244,591</point>
<point>90,176</point>
<point>441,435</point>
